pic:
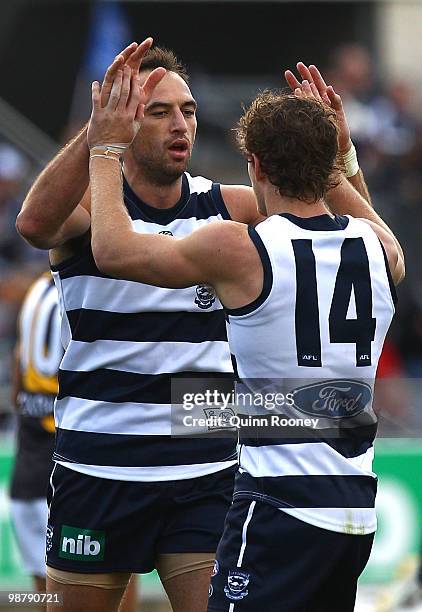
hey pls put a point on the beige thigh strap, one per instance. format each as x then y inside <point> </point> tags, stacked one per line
<point>115,580</point>
<point>170,565</point>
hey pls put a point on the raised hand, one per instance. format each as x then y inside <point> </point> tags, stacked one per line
<point>118,121</point>
<point>314,85</point>
<point>132,57</point>
<point>134,60</point>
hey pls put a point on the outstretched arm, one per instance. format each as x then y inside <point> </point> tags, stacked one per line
<point>202,257</point>
<point>209,255</point>
<point>50,214</point>
<point>56,208</point>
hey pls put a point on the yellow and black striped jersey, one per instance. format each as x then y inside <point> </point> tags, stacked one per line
<point>40,350</point>
<point>39,353</point>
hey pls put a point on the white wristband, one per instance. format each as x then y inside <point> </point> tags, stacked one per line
<point>350,161</point>
<point>105,156</point>
<point>114,147</point>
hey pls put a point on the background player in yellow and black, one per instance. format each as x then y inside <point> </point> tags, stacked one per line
<point>37,356</point>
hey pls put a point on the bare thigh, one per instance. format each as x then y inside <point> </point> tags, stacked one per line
<point>39,582</point>
<point>82,598</point>
<point>189,592</point>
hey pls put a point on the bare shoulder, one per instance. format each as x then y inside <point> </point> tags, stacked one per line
<point>237,191</point>
<point>241,203</point>
<point>221,235</point>
<point>220,247</point>
<point>392,251</point>
<point>385,237</point>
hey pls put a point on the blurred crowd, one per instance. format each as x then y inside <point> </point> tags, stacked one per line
<point>20,264</point>
<point>386,127</point>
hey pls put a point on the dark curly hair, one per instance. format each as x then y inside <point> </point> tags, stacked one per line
<point>160,56</point>
<point>295,140</point>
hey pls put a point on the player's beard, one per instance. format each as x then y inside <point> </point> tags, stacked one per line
<point>159,171</point>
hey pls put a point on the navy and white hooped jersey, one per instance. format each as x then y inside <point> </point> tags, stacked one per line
<point>124,343</point>
<point>316,333</point>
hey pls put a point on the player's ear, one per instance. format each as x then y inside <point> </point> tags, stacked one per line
<point>260,175</point>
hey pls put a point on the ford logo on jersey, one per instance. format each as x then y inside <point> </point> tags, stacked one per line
<point>333,399</point>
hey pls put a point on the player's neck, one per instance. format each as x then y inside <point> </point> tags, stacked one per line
<point>276,204</point>
<point>153,194</point>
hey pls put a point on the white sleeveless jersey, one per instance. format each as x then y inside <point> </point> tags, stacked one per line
<point>125,342</point>
<point>315,333</point>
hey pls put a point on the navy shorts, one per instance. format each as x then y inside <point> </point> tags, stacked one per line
<point>268,560</point>
<point>98,525</point>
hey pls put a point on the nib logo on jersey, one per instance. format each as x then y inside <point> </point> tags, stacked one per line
<point>81,544</point>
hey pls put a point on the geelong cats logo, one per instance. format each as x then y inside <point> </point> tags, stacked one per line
<point>237,583</point>
<point>205,296</point>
